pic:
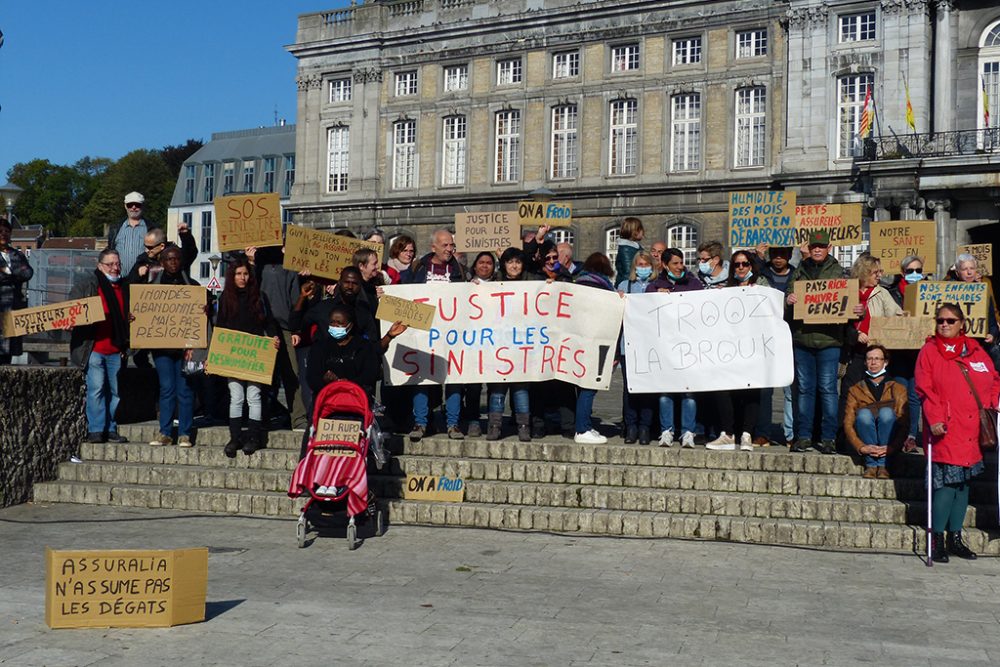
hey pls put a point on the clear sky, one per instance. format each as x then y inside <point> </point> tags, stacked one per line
<point>104,77</point>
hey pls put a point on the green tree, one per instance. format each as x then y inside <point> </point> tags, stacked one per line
<point>54,195</point>
<point>141,170</point>
<point>174,156</point>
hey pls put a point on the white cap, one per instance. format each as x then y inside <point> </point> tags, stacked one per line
<point>135,198</point>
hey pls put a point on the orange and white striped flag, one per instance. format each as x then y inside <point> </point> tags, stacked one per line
<point>865,128</point>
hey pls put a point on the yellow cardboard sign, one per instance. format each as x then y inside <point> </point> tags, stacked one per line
<point>842,221</point>
<point>921,299</point>
<point>983,252</point>
<point>761,217</point>
<point>829,301</point>
<point>340,430</point>
<point>551,213</point>
<point>894,240</point>
<point>54,316</point>
<point>168,317</point>
<point>434,487</point>
<point>234,354</point>
<point>900,333</point>
<point>410,313</point>
<point>323,254</point>
<point>125,589</point>
<point>248,220</point>
<point>493,232</point>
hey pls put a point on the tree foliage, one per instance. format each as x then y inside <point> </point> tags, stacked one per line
<point>141,170</point>
<point>174,156</point>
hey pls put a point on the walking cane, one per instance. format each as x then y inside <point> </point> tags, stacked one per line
<point>927,454</point>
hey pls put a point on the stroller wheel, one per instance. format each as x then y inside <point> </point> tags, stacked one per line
<point>352,537</point>
<point>300,530</point>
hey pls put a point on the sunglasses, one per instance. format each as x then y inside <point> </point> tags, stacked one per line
<point>911,271</point>
<point>946,320</point>
<point>740,265</point>
<point>133,205</point>
<point>151,247</point>
<point>551,258</point>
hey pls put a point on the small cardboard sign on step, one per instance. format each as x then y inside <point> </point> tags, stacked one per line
<point>434,487</point>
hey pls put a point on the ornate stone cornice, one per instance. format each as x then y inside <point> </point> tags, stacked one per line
<point>309,81</point>
<point>944,5</point>
<point>808,17</point>
<point>367,75</point>
<point>890,7</point>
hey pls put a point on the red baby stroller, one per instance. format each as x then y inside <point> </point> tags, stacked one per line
<point>335,466</point>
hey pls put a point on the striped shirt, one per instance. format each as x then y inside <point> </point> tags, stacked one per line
<point>130,243</point>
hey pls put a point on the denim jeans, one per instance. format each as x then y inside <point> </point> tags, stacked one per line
<point>174,392</point>
<point>102,392</point>
<point>584,406</point>
<point>518,397</point>
<point>816,373</point>
<point>452,404</point>
<point>875,431</point>
<point>913,399</point>
<point>688,412</point>
<point>240,390</point>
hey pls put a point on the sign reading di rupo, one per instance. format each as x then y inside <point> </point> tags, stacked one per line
<point>323,254</point>
<point>54,316</point>
<point>168,317</point>
<point>709,340</point>
<point>248,220</point>
<point>761,217</point>
<point>508,332</point>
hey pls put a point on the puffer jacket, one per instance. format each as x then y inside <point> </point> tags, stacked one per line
<point>859,397</point>
<point>627,250</point>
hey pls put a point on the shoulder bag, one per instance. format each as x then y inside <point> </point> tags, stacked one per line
<point>987,416</point>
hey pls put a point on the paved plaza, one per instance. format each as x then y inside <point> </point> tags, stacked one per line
<point>471,597</point>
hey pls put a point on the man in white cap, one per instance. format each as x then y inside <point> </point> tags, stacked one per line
<point>129,237</point>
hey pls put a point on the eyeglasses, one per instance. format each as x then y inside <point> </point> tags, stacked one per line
<point>155,245</point>
<point>118,264</point>
<point>740,265</point>
<point>912,271</point>
<point>875,359</point>
<point>946,320</point>
<point>551,258</point>
<point>133,204</point>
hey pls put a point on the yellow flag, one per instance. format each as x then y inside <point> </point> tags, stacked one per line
<point>910,120</point>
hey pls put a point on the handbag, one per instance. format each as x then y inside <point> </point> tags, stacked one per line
<point>987,416</point>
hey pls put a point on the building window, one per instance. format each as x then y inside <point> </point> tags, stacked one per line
<point>564,141</point>
<point>404,154</point>
<point>852,90</point>
<point>509,72</point>
<point>456,77</point>
<point>209,181</point>
<point>406,83</point>
<point>340,90</point>
<point>248,176</point>
<point>206,270</point>
<point>857,27</point>
<point>187,218</point>
<point>848,254</point>
<point>751,122</point>
<point>684,238</point>
<point>338,155</point>
<point>228,177</point>
<point>269,174</point>
<point>565,64</point>
<point>189,172</point>
<point>751,43</point>
<point>623,150</point>
<point>987,109</point>
<point>286,189</point>
<point>453,159</point>
<point>687,51</point>
<point>685,132</point>
<point>508,146</point>
<point>562,235</point>
<point>611,244</point>
<point>206,231</point>
<point>625,58</point>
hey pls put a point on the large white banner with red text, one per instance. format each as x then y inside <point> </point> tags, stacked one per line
<point>709,340</point>
<point>508,332</point>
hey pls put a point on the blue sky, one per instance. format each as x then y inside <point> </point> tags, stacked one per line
<point>104,77</point>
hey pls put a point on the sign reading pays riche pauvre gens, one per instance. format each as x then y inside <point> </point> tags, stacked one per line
<point>234,354</point>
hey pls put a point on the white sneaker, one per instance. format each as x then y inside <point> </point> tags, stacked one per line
<point>590,437</point>
<point>746,442</point>
<point>687,440</point>
<point>724,443</point>
<point>667,438</point>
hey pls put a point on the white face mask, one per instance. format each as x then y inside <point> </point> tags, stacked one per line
<point>875,375</point>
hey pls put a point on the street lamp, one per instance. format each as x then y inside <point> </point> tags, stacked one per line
<point>215,259</point>
<point>10,193</point>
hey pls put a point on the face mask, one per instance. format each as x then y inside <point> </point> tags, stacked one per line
<point>643,272</point>
<point>745,278</point>
<point>704,267</point>
<point>675,276</point>
<point>337,333</point>
<point>913,277</point>
<point>875,375</point>
<point>112,278</point>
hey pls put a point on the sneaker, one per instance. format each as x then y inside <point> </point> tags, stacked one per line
<point>184,441</point>
<point>474,430</point>
<point>687,440</point>
<point>590,437</point>
<point>455,433</point>
<point>161,440</point>
<point>95,437</point>
<point>417,433</point>
<point>724,443</point>
<point>746,442</point>
<point>114,436</point>
<point>801,445</point>
<point>826,447</point>
<point>667,438</point>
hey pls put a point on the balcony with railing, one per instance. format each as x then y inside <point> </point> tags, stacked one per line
<point>980,142</point>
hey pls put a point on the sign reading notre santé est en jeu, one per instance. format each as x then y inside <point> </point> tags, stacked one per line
<point>892,241</point>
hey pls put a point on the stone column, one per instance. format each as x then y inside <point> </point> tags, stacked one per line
<point>944,57</point>
<point>946,232</point>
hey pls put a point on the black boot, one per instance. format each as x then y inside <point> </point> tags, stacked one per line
<point>644,436</point>
<point>631,435</point>
<point>538,428</point>
<point>523,427</point>
<point>235,430</point>
<point>254,438</point>
<point>957,547</point>
<point>938,553</point>
<point>493,422</point>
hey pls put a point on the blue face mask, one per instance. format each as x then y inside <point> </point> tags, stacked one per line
<point>704,267</point>
<point>337,333</point>
<point>675,276</point>
<point>913,277</point>
<point>113,279</point>
<point>745,278</point>
<point>643,272</point>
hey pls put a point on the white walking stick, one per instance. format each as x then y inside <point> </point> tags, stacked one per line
<point>927,454</point>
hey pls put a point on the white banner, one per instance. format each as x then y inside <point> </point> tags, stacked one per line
<point>508,332</point>
<point>709,340</point>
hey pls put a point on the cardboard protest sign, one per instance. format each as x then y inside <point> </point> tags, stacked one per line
<point>551,213</point>
<point>900,333</point>
<point>410,313</point>
<point>983,252</point>
<point>825,301</point>
<point>168,317</point>
<point>921,299</point>
<point>248,220</point>
<point>234,354</point>
<point>508,332</point>
<point>323,254</point>
<point>761,217</point>
<point>51,317</point>
<point>708,340</point>
<point>433,487</point>
<point>125,589</point>
<point>894,240</point>
<point>341,430</point>
<point>494,232</point>
<point>842,221</point>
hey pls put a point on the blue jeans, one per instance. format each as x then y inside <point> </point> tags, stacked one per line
<point>913,399</point>
<point>764,420</point>
<point>102,392</point>
<point>452,404</point>
<point>174,391</point>
<point>875,431</point>
<point>688,412</point>
<point>518,397</point>
<point>584,406</point>
<point>816,372</point>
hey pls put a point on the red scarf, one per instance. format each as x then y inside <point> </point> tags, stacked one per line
<point>865,322</point>
<point>950,348</point>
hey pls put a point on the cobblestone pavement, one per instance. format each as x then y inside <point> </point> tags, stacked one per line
<point>471,597</point>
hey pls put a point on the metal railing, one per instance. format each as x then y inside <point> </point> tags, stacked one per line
<point>935,144</point>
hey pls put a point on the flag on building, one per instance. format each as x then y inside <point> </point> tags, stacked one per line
<point>865,129</point>
<point>910,120</point>
<point>986,104</point>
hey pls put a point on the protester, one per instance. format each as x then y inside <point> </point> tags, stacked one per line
<point>98,348</point>
<point>777,270</point>
<point>564,252</point>
<point>401,254</point>
<point>712,271</point>
<point>310,315</point>
<point>629,243</point>
<point>483,271</point>
<point>597,273</point>
<point>343,355</point>
<point>14,273</point>
<point>875,405</point>
<point>967,271</point>
<point>778,267</point>
<point>637,409</point>
<point>904,361</point>
<point>148,263</point>
<point>366,261</point>
<point>953,371</point>
<point>873,301</point>
<point>676,278</point>
<point>817,352</point>
<point>656,250</point>
<point>484,268</point>
<point>128,238</point>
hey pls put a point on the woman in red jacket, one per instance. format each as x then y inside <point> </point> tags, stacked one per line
<point>946,365</point>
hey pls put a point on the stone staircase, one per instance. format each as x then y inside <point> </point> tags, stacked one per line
<point>768,496</point>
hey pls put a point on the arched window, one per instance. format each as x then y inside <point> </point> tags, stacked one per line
<point>611,243</point>
<point>989,77</point>
<point>563,235</point>
<point>684,237</point>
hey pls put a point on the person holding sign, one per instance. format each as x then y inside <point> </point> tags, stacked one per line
<point>954,376</point>
<point>637,409</point>
<point>597,273</point>
<point>242,307</point>
<point>911,270</point>
<point>14,273</point>
<point>484,268</point>
<point>344,355</point>
<point>875,405</point>
<point>967,271</point>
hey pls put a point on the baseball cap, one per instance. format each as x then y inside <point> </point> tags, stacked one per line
<point>135,198</point>
<point>819,237</point>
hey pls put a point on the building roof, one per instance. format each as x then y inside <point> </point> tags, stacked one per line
<point>240,144</point>
<point>75,243</point>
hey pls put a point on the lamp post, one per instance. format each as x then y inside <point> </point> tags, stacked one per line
<point>215,259</point>
<point>10,193</point>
